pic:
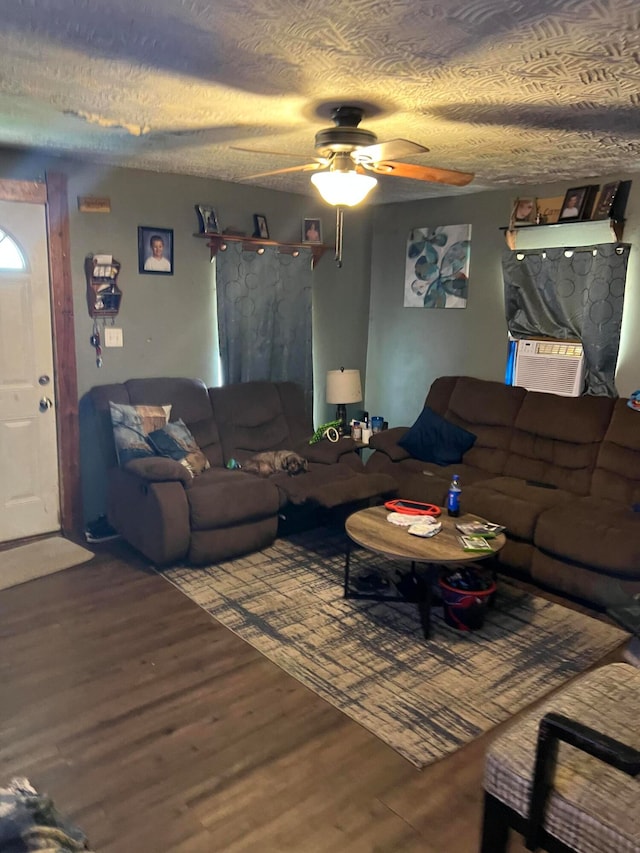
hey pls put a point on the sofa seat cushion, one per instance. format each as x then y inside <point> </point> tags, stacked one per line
<point>423,481</point>
<point>512,502</point>
<point>220,497</point>
<point>331,485</point>
<point>594,532</point>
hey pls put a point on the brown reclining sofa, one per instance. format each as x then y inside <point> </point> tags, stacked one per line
<point>170,516</point>
<point>561,473</point>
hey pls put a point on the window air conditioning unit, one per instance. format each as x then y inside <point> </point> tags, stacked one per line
<point>556,367</point>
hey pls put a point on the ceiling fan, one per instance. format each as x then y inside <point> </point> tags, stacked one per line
<point>346,153</point>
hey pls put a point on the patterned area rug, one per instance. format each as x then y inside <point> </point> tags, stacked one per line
<point>370,660</point>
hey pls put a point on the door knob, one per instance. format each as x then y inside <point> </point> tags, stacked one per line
<point>45,403</point>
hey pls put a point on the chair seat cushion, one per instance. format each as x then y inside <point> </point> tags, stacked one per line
<point>596,532</point>
<point>592,806</point>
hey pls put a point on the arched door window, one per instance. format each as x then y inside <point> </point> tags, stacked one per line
<point>11,258</point>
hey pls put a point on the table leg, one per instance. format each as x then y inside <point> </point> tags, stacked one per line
<point>424,600</point>
<point>346,569</point>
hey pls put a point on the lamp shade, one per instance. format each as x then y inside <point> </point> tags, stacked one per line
<point>343,386</point>
<point>343,188</point>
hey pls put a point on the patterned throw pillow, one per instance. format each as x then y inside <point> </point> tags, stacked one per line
<point>131,425</point>
<point>175,441</point>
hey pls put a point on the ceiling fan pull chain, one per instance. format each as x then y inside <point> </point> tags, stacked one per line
<point>339,227</point>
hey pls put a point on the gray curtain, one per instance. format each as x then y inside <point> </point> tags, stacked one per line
<point>571,293</point>
<point>264,316</point>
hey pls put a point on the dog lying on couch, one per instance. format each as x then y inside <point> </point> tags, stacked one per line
<point>272,461</point>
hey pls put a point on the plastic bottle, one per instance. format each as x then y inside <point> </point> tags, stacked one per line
<point>453,496</point>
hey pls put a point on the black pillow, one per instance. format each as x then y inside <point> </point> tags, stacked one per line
<point>432,438</point>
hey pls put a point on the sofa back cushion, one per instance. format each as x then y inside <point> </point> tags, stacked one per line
<point>96,428</point>
<point>617,472</point>
<point>250,419</point>
<point>296,410</point>
<point>485,408</point>
<point>188,398</point>
<point>556,439</point>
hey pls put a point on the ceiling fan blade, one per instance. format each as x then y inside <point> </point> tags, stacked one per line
<point>388,150</point>
<point>308,167</point>
<point>431,174</point>
<point>262,151</point>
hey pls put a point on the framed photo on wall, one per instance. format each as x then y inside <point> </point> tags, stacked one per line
<point>311,231</point>
<point>155,250</point>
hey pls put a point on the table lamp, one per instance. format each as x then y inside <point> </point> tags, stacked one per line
<point>343,386</point>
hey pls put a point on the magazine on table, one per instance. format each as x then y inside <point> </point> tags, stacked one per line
<point>474,543</point>
<point>480,528</point>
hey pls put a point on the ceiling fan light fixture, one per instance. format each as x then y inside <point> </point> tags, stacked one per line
<point>343,188</point>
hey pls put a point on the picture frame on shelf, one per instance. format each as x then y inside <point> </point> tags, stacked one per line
<point>260,226</point>
<point>549,209</point>
<point>574,204</point>
<point>207,219</point>
<point>606,200</point>
<point>155,250</point>
<point>525,211</point>
<point>311,230</point>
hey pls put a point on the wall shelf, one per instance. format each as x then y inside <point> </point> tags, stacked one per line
<point>615,229</point>
<point>218,243</point>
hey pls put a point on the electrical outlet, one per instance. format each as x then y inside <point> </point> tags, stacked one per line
<point>113,337</point>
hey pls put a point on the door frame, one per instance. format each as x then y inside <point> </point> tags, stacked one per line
<point>53,194</point>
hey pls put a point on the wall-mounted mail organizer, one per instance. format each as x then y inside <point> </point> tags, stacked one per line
<point>103,294</point>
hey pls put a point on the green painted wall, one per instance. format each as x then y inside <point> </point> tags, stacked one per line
<point>167,320</point>
<point>410,347</point>
<point>359,319</point>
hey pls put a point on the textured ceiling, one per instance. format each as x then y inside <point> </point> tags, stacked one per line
<point>517,92</point>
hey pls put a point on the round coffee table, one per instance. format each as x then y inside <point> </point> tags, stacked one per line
<point>370,529</point>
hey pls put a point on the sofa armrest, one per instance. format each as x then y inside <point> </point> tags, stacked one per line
<point>159,469</point>
<point>387,442</point>
<point>151,516</point>
<point>325,451</point>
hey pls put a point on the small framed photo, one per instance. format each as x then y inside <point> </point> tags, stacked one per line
<point>605,201</point>
<point>260,227</point>
<point>311,231</point>
<point>155,250</point>
<point>525,211</point>
<point>573,204</point>
<point>207,219</point>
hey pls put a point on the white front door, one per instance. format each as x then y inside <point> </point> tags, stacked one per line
<point>29,489</point>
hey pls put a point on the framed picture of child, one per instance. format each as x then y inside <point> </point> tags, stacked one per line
<point>311,231</point>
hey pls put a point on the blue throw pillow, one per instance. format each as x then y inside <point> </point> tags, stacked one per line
<point>432,438</point>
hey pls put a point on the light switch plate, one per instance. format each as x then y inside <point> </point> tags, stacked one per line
<point>113,337</point>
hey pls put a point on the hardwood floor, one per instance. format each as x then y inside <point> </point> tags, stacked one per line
<point>157,730</point>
